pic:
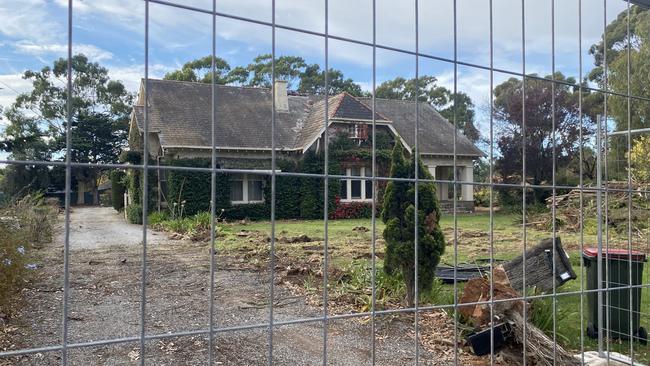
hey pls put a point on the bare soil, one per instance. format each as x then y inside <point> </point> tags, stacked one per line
<point>105,291</point>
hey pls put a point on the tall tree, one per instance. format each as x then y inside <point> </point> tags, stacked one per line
<point>304,78</point>
<point>613,72</point>
<point>100,113</point>
<point>200,70</point>
<point>442,99</point>
<point>312,81</point>
<point>23,139</point>
<point>539,139</point>
<point>399,215</point>
<point>288,68</point>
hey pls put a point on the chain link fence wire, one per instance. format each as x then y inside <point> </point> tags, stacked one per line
<point>610,240</point>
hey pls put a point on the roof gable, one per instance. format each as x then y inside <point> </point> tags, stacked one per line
<point>348,107</point>
<point>181,114</point>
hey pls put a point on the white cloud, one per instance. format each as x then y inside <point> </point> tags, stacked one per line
<point>10,86</point>
<point>29,19</point>
<point>92,52</point>
<point>186,33</point>
<point>130,76</point>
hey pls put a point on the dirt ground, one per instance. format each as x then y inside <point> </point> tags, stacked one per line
<point>105,277</point>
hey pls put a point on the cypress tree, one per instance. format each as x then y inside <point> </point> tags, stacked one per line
<point>398,214</point>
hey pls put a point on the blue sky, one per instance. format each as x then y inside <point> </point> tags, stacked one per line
<point>34,32</point>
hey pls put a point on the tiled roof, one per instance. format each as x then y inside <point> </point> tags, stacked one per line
<point>180,112</point>
<point>349,107</point>
<point>436,134</point>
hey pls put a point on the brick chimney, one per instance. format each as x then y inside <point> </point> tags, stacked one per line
<point>281,99</point>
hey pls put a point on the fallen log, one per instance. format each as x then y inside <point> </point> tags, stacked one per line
<point>539,267</point>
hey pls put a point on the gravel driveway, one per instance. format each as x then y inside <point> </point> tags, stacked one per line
<point>98,227</point>
<point>105,266</point>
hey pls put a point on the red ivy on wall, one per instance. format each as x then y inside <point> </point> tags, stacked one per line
<point>350,210</point>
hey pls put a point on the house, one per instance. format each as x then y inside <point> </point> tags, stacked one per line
<point>180,122</point>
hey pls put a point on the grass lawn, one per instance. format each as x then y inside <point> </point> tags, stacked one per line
<point>349,243</point>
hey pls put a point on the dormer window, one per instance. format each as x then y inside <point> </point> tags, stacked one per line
<point>358,131</point>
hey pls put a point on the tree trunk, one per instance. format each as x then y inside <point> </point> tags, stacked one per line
<point>95,191</point>
<point>409,279</point>
<point>81,189</point>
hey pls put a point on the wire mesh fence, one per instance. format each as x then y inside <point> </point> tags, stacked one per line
<point>314,279</point>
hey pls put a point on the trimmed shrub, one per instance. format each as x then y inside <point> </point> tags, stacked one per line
<point>287,195</point>
<point>192,189</point>
<point>311,192</point>
<point>118,187</point>
<point>399,215</point>
<point>254,211</point>
<point>134,213</point>
<point>351,210</point>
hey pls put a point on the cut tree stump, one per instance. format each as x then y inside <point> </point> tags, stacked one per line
<point>539,267</point>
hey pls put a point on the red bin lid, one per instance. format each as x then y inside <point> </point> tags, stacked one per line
<point>637,256</point>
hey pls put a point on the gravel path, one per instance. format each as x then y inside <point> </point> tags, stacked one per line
<point>97,227</point>
<point>105,266</point>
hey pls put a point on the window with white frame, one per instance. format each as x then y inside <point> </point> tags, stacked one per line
<point>357,131</point>
<point>246,188</point>
<point>353,131</point>
<point>357,189</point>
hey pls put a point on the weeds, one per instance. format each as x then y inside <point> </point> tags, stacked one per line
<point>355,286</point>
<point>196,227</point>
<point>23,225</point>
<point>541,315</point>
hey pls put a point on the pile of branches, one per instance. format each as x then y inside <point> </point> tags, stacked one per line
<point>614,205</point>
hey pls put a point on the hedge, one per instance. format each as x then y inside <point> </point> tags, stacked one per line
<point>351,210</point>
<point>134,213</point>
<point>254,211</point>
<point>134,179</point>
<point>192,189</point>
<point>312,189</point>
<point>287,198</point>
<point>118,188</point>
<point>295,197</point>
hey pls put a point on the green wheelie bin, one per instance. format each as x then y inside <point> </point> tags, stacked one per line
<point>616,302</point>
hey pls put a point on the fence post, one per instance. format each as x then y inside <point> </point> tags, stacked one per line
<point>599,215</point>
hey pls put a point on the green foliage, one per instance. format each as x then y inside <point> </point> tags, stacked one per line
<point>357,282</point>
<point>541,315</point>
<point>25,224</point>
<point>134,213</point>
<point>639,160</point>
<point>293,69</point>
<point>157,217</point>
<point>287,68</point>
<point>132,183</point>
<point>552,124</point>
<point>200,70</point>
<point>312,81</point>
<point>399,215</point>
<point>118,187</point>
<point>618,79</point>
<point>100,110</point>
<point>482,197</point>
<point>131,157</point>
<point>312,190</point>
<point>192,189</point>
<point>20,180</point>
<point>252,211</point>
<point>287,199</point>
